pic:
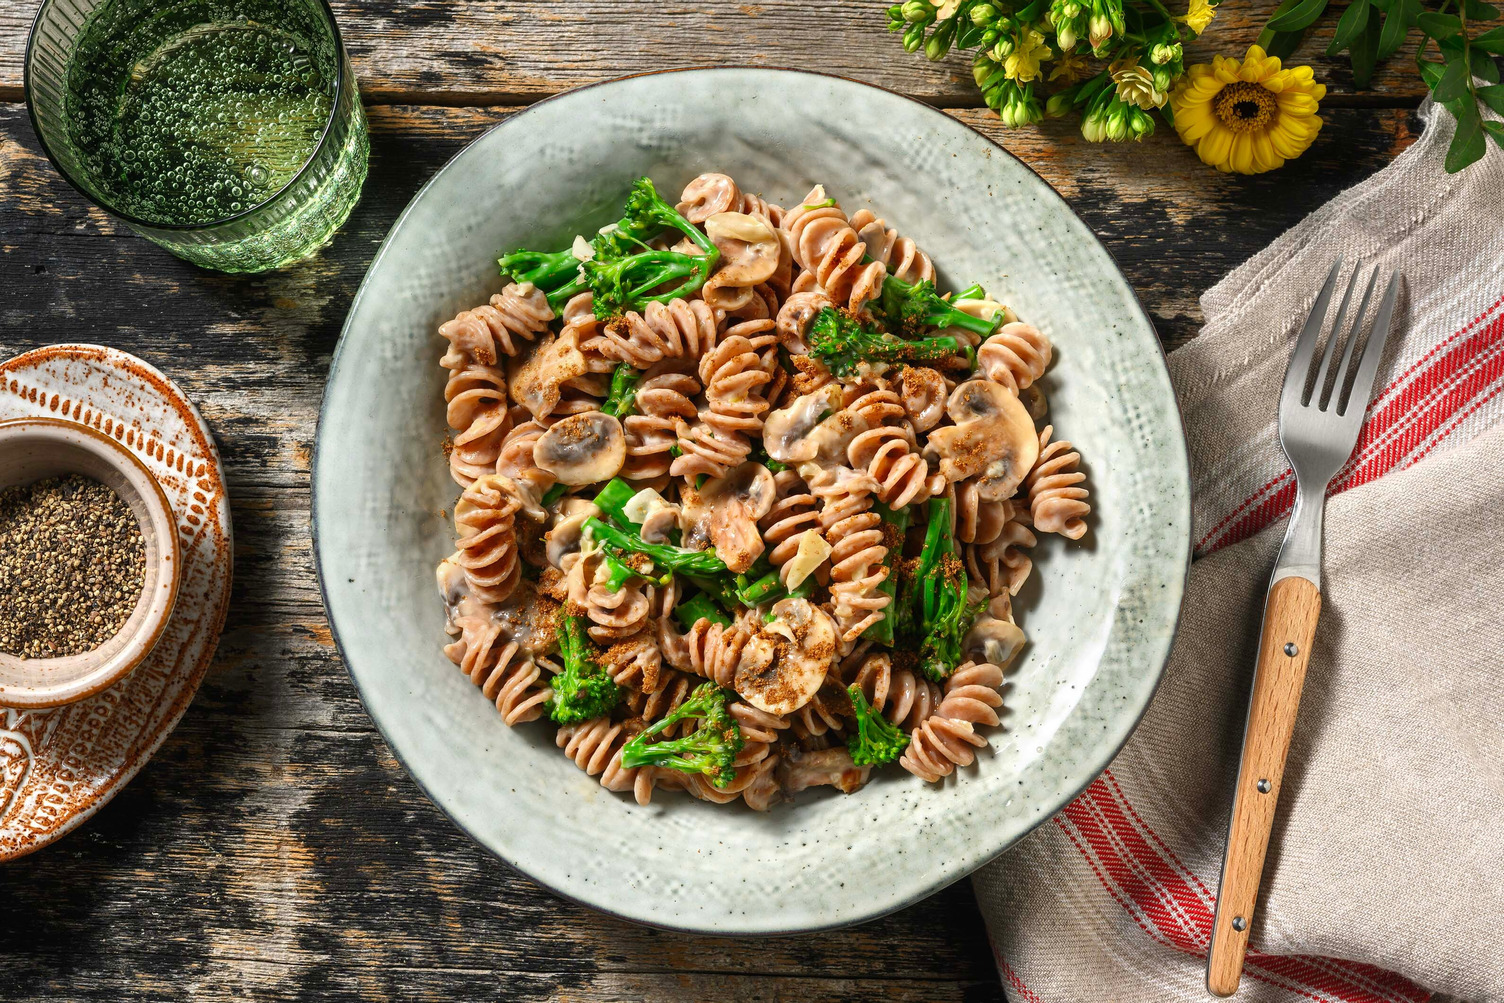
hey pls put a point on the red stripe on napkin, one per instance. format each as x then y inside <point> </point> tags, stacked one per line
<point>1176,907</point>
<point>1406,420</point>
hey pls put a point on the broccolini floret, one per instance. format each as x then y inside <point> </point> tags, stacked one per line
<point>932,601</point>
<point>912,307</point>
<point>941,651</point>
<point>623,284</point>
<point>583,690</point>
<point>877,740</point>
<point>842,343</point>
<point>645,216</point>
<point>624,271</point>
<point>710,749</point>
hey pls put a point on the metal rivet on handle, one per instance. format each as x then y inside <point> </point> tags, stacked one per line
<point>1239,923</point>
<point>1263,787</point>
<point>1291,649</point>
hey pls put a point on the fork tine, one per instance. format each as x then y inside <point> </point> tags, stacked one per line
<point>1305,346</point>
<point>1368,366</point>
<point>1341,393</point>
<point>1318,388</point>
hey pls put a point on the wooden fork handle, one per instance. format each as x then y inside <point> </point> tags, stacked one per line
<point>1290,615</point>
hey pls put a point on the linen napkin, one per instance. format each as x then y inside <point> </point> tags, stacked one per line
<point>1384,879</point>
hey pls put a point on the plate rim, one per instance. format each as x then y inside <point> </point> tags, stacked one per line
<point>904,902</point>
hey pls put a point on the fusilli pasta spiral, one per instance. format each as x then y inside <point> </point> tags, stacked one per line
<point>1016,356</point>
<point>733,373</point>
<point>1057,501</point>
<point>903,258</point>
<point>948,737</point>
<point>484,519</point>
<point>828,249</point>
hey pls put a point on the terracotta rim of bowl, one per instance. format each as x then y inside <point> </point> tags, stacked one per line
<point>92,671</point>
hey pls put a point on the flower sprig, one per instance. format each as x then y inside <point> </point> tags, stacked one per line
<point>1033,59</point>
<point>1373,30</point>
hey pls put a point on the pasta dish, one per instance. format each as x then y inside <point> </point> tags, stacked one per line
<point>746,498</point>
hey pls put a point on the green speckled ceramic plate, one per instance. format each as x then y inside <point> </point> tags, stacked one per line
<point>1100,614</point>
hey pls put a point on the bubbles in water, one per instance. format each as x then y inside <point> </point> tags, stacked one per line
<point>215,119</point>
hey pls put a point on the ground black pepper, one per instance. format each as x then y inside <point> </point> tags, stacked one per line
<point>72,566</point>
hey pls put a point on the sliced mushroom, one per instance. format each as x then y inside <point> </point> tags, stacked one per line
<point>993,439</point>
<point>744,262</point>
<point>795,317</point>
<point>1034,400</point>
<point>800,770</point>
<point>657,516</point>
<point>993,638</point>
<point>785,432</point>
<point>536,376</point>
<point>803,638</point>
<point>582,449</point>
<point>727,509</point>
<point>569,524</point>
<point>922,391</point>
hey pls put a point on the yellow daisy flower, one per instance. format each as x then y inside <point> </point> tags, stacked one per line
<point>1198,16</point>
<point>1022,64</point>
<point>1249,116</point>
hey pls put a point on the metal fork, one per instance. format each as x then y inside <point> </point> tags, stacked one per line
<point>1318,429</point>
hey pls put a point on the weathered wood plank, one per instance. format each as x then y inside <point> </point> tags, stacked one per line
<point>1174,225</point>
<point>515,51</point>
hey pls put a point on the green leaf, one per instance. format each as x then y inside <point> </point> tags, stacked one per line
<point>1365,52</point>
<point>1267,35</point>
<point>1401,19</point>
<point>1302,15</point>
<point>1468,144</point>
<point>1430,72</point>
<point>1496,130</point>
<point>1349,26</point>
<point>1453,82</point>
<point>1282,44</point>
<point>1491,40</point>
<point>1439,26</point>
<point>1493,97</point>
<point>1483,65</point>
<point>1477,10</point>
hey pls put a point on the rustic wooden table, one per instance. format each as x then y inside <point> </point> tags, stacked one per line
<point>274,848</point>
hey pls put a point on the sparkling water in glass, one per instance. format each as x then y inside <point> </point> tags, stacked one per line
<point>228,131</point>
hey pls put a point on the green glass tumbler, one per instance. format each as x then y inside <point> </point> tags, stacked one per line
<point>228,131</point>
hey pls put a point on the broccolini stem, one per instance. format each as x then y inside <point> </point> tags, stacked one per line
<point>938,544</point>
<point>676,559</point>
<point>622,400</point>
<point>882,630</point>
<point>548,270</point>
<point>612,501</point>
<point>700,607</point>
<point>769,588</point>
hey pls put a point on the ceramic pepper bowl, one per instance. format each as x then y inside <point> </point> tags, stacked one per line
<point>32,449</point>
